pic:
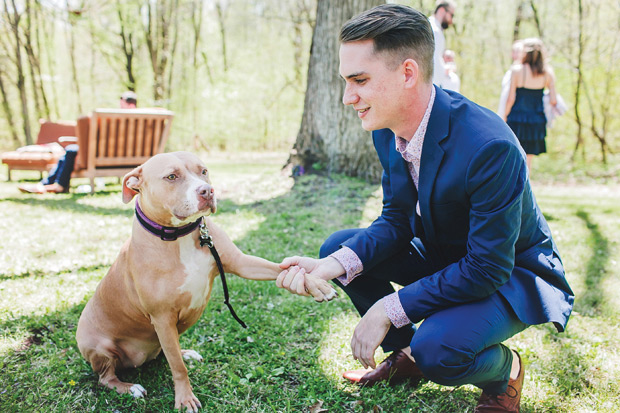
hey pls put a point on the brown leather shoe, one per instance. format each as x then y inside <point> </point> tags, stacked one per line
<point>507,401</point>
<point>396,368</point>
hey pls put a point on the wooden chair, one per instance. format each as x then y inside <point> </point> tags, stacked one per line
<point>45,154</point>
<point>114,141</point>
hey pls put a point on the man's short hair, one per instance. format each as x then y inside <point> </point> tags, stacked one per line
<point>448,5</point>
<point>130,97</point>
<point>398,31</point>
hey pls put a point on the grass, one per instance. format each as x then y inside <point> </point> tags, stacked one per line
<point>56,248</point>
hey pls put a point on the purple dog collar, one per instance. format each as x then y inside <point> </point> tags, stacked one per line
<point>165,233</point>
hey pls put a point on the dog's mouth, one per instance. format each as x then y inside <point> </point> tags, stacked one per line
<point>207,205</point>
<point>204,208</point>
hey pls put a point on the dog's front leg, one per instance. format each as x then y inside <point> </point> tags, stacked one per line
<point>166,329</point>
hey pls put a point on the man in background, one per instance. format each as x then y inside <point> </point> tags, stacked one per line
<point>440,21</point>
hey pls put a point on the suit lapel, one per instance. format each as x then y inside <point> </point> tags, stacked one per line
<point>403,188</point>
<point>432,155</point>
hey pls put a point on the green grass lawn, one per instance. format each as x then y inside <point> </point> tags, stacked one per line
<point>56,248</point>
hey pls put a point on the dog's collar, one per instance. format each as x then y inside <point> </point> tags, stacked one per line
<point>163,232</point>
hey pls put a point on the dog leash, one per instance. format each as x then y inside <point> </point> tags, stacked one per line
<point>172,233</point>
<point>205,239</point>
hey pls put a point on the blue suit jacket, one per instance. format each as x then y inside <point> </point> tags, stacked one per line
<point>478,213</point>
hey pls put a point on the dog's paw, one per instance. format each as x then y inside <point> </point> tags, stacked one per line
<point>320,289</point>
<point>137,391</point>
<point>191,355</point>
<point>187,404</point>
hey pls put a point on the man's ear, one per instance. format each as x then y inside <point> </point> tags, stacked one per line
<point>411,71</point>
<point>131,184</point>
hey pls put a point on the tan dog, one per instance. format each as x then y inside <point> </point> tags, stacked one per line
<point>156,289</point>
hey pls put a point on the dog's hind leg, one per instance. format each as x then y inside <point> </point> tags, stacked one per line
<point>106,368</point>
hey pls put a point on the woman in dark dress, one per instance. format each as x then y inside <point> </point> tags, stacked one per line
<point>524,108</point>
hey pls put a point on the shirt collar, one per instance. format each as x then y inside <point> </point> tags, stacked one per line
<point>415,144</point>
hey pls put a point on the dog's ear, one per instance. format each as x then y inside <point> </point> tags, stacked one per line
<point>131,184</point>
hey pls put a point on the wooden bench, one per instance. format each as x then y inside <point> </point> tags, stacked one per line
<point>114,141</point>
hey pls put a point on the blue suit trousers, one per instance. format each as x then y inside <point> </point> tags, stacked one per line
<point>454,346</point>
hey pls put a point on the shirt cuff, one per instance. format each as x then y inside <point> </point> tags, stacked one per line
<point>350,262</point>
<point>394,310</point>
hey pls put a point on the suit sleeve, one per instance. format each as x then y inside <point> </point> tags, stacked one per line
<point>392,229</point>
<point>495,181</point>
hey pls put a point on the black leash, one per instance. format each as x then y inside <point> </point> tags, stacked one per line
<point>205,239</point>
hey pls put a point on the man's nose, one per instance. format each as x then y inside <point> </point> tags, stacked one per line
<point>349,97</point>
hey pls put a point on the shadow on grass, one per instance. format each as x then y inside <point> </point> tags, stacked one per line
<point>593,299</point>
<point>70,203</point>
<point>38,273</point>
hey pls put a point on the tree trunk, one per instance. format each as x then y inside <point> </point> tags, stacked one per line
<point>128,49</point>
<point>581,47</point>
<point>331,138</point>
<point>36,56</point>
<point>8,113</point>
<point>21,80</point>
<point>48,31</point>
<point>518,18</point>
<point>33,63</point>
<point>72,21</point>
<point>220,8</point>
<point>537,20</point>
<point>157,31</point>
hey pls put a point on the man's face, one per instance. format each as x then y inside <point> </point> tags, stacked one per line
<point>371,87</point>
<point>446,21</point>
<point>126,105</point>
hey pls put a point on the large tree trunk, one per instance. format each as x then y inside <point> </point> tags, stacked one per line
<point>331,137</point>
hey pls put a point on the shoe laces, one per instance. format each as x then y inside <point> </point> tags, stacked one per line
<point>510,393</point>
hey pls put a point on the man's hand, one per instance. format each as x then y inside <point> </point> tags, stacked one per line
<point>308,276</point>
<point>369,333</point>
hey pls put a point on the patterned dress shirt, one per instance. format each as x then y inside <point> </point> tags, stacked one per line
<point>411,151</point>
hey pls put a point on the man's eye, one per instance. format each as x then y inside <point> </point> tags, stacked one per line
<point>360,81</point>
<point>171,177</point>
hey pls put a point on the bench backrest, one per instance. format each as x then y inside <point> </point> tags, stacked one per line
<point>124,137</point>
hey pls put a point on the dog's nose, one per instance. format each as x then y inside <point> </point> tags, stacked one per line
<point>205,191</point>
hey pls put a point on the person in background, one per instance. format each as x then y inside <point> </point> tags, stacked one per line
<point>525,112</point>
<point>129,100</point>
<point>517,60</point>
<point>440,21</point>
<point>460,228</point>
<point>452,81</point>
<point>59,178</point>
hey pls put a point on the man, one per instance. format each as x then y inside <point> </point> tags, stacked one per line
<point>440,21</point>
<point>460,229</point>
<point>59,178</point>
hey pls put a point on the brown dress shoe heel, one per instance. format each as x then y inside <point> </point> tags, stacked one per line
<point>396,368</point>
<point>506,402</point>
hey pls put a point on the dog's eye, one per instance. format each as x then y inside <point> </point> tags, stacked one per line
<point>205,172</point>
<point>171,177</point>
